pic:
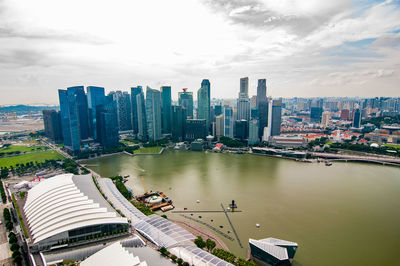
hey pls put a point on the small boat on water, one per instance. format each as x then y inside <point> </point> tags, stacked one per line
<point>328,163</point>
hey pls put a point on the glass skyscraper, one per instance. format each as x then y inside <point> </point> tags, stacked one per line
<point>96,97</point>
<point>134,107</point>
<point>186,101</point>
<point>204,103</point>
<point>178,123</point>
<point>166,109</point>
<point>276,117</point>
<point>74,116</point>
<point>141,116</point>
<point>228,121</point>
<point>107,116</point>
<point>262,105</point>
<point>153,114</point>
<point>123,110</point>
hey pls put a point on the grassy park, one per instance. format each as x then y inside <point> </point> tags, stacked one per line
<point>30,157</point>
<point>145,150</point>
<point>15,148</point>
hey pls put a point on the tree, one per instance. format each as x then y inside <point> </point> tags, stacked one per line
<point>199,242</point>
<point>180,261</point>
<point>185,264</point>
<point>173,258</point>
<point>4,172</point>
<point>210,244</point>
<point>6,214</point>
<point>9,226</point>
<point>14,247</point>
<point>164,251</point>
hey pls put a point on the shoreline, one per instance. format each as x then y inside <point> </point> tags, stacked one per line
<point>198,230</point>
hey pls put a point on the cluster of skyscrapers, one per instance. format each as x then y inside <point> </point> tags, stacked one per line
<point>93,116</point>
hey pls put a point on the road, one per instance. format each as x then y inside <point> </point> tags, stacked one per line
<point>394,160</point>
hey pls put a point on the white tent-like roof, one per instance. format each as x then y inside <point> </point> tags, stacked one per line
<point>112,255</point>
<point>66,202</point>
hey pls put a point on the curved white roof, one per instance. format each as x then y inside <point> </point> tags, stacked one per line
<point>271,248</point>
<point>66,202</point>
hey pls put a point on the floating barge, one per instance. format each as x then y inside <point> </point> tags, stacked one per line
<point>155,201</point>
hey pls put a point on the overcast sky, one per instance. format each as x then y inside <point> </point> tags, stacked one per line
<point>302,47</point>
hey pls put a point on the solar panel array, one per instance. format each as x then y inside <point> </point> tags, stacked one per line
<point>162,232</point>
<point>206,257</point>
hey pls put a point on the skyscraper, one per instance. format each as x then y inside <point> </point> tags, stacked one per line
<point>96,97</point>
<point>153,114</point>
<point>244,86</point>
<point>253,132</point>
<point>124,112</point>
<point>267,130</point>
<point>141,116</point>
<point>52,125</point>
<point>219,125</point>
<point>243,107</point>
<point>262,105</point>
<point>74,117</point>
<point>204,103</point>
<point>228,121</point>
<point>316,110</point>
<point>178,123</point>
<point>241,129</point>
<point>357,118</point>
<point>325,119</point>
<point>108,123</point>
<point>186,101</point>
<point>166,109</point>
<point>276,117</point>
<point>134,92</point>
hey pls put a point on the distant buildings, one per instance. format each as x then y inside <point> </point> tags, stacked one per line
<point>134,107</point>
<point>96,97</point>
<point>253,132</point>
<point>325,119</point>
<point>141,116</point>
<point>276,117</point>
<point>178,123</point>
<point>108,123</point>
<point>243,102</point>
<point>52,125</point>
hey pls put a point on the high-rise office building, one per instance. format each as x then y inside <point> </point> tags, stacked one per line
<point>74,117</point>
<point>124,111</point>
<point>219,125</point>
<point>345,114</point>
<point>228,121</point>
<point>241,129</point>
<point>107,119</point>
<point>267,130</point>
<point>276,117</point>
<point>262,105</point>
<point>195,129</point>
<point>325,119</point>
<point>243,102</point>
<point>244,86</point>
<point>134,107</point>
<point>141,116</point>
<point>357,118</point>
<point>52,125</point>
<point>204,102</point>
<point>186,101</point>
<point>253,132</point>
<point>153,114</point>
<point>178,123</point>
<point>96,97</point>
<point>316,110</point>
<point>166,109</point>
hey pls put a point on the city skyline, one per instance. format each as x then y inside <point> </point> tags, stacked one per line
<point>301,47</point>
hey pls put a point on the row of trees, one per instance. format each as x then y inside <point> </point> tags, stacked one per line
<point>21,168</point>
<point>4,152</point>
<point>233,143</point>
<point>209,244</point>
<point>363,148</point>
<point>7,218</point>
<point>174,258</point>
<point>231,258</point>
<point>3,193</point>
<point>15,248</point>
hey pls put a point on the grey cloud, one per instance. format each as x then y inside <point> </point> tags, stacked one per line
<point>253,13</point>
<point>388,40</point>
<point>6,32</point>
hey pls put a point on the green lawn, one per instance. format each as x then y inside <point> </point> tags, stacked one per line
<point>30,157</point>
<point>393,146</point>
<point>14,148</point>
<point>156,149</point>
